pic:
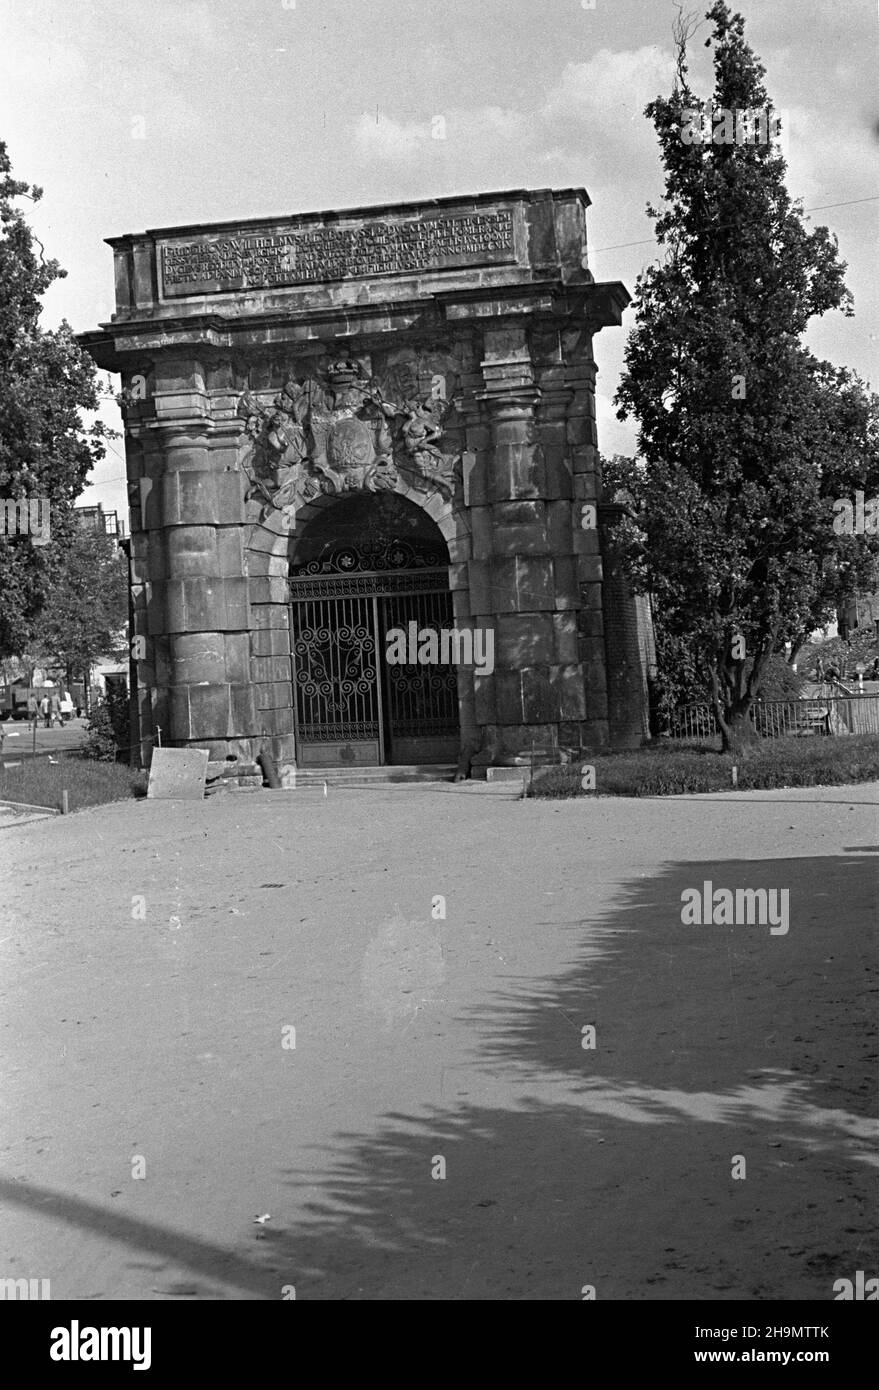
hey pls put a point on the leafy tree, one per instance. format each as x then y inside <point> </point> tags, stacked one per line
<point>46,381</point>
<point>86,605</point>
<point>746,438</point>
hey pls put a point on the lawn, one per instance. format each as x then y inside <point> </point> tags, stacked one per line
<point>39,782</point>
<point>671,771</point>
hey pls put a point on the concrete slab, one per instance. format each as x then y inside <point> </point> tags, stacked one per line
<point>178,774</point>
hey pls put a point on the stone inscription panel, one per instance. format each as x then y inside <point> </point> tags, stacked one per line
<point>261,261</point>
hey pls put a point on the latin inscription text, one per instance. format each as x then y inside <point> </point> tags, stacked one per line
<point>336,253</point>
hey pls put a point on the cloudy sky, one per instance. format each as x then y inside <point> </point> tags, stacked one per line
<point>150,113</point>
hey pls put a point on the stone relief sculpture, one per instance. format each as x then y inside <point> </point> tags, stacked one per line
<point>422,433</point>
<point>338,433</point>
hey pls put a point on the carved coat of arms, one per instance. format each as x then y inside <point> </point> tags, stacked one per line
<point>339,434</point>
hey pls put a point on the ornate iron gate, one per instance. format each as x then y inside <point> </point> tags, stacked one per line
<point>352,706</point>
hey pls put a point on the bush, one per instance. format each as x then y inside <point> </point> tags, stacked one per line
<point>100,740</point>
<point>107,729</point>
<point>782,762</point>
<point>117,704</point>
<point>781,681</point>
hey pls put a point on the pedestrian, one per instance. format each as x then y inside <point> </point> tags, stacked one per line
<point>44,710</point>
<point>819,670</point>
<point>33,709</point>
<point>54,710</point>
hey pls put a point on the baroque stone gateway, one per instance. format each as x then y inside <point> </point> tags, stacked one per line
<point>340,424</point>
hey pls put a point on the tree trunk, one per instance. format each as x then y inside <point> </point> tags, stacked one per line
<point>797,648</point>
<point>737,728</point>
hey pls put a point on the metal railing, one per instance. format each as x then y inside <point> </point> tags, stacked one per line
<point>834,714</point>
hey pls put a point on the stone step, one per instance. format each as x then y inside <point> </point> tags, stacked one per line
<point>228,768</point>
<point>312,778</point>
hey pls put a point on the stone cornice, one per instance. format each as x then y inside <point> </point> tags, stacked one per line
<point>458,201</point>
<point>124,341</point>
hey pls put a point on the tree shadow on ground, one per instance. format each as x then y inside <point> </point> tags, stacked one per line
<point>719,1051</point>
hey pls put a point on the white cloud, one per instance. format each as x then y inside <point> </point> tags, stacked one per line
<point>389,141</point>
<point>480,133</point>
<point>608,86</point>
<point>501,123</point>
<point>827,155</point>
<point>592,117</point>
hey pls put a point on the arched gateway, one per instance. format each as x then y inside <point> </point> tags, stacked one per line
<point>367,567</point>
<point>319,407</point>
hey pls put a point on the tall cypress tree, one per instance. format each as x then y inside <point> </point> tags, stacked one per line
<point>746,439</point>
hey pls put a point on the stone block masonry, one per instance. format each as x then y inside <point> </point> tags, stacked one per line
<point>276,369</point>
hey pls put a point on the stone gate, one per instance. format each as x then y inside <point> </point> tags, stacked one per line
<point>342,421</point>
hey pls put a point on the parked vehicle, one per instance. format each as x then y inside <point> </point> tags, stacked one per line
<point>13,701</point>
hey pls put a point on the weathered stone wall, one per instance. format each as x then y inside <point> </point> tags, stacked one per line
<point>190,589</point>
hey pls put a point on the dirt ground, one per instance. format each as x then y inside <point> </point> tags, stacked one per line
<point>439,1130</point>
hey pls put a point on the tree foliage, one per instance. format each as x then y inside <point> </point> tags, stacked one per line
<point>46,382</point>
<point>86,604</point>
<point>746,439</point>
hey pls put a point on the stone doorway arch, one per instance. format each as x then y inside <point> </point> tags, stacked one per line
<point>289,547</point>
<point>370,522</point>
<point>363,571</point>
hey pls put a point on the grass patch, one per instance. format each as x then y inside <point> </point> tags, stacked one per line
<point>37,782</point>
<point>783,762</point>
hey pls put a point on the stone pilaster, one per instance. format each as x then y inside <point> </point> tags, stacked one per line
<point>265,562</point>
<point>196,601</point>
<point>523,582</point>
<point>582,444</point>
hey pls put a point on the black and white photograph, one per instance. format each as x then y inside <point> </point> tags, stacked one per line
<point>439,666</point>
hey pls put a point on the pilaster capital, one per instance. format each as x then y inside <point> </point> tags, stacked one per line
<point>510,392</point>
<point>185,423</point>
